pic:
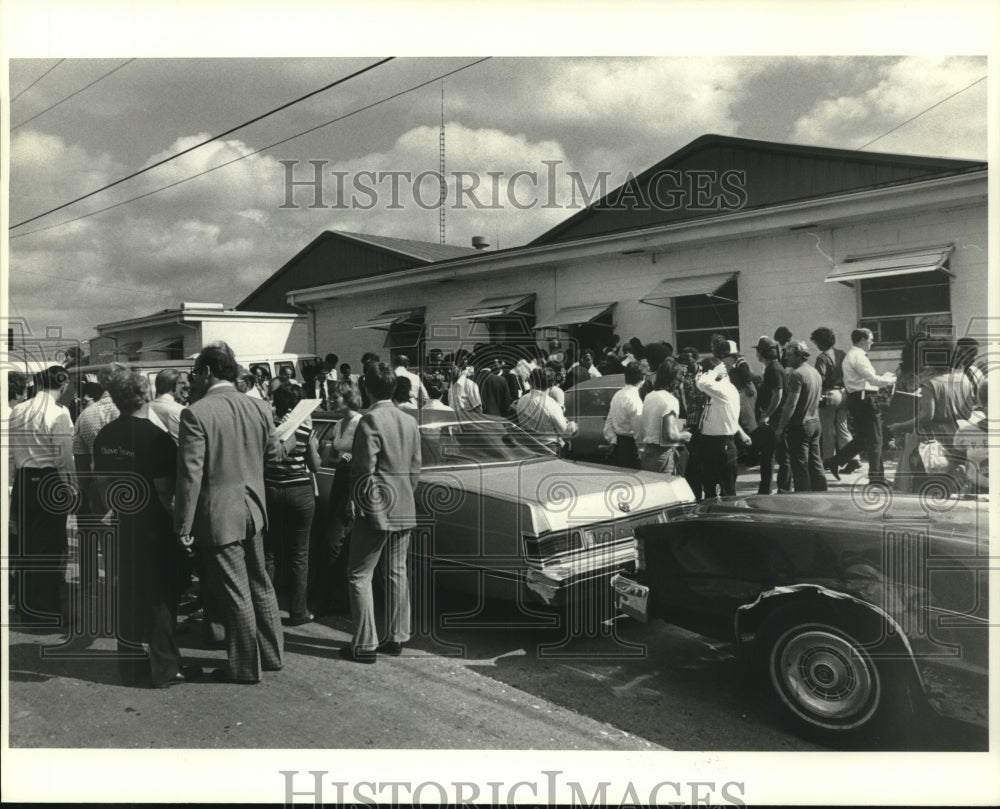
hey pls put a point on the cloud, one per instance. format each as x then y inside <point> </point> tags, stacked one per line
<point>906,88</point>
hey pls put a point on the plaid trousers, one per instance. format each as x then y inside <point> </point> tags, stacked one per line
<point>254,639</point>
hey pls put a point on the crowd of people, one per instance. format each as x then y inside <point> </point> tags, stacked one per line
<point>700,417</point>
<point>213,472</point>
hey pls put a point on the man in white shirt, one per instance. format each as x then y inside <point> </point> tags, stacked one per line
<point>537,413</point>
<point>719,427</point>
<point>463,395</point>
<point>172,388</point>
<point>418,393</point>
<point>41,443</point>
<point>623,425</point>
<point>860,381</point>
<point>435,390</point>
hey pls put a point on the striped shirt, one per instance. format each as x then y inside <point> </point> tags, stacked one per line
<point>293,470</point>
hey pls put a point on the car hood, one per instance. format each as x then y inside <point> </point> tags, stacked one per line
<point>560,494</point>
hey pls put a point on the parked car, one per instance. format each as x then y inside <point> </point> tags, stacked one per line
<point>587,403</point>
<point>497,508</point>
<point>858,612</point>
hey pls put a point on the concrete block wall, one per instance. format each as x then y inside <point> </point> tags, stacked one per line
<point>781,283</point>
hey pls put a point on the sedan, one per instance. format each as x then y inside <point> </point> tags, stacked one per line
<point>502,515</point>
<point>860,608</point>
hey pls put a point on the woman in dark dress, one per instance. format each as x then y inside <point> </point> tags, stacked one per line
<point>137,464</point>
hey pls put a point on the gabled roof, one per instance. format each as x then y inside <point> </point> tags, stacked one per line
<point>423,251</point>
<point>761,173</point>
<point>387,253</point>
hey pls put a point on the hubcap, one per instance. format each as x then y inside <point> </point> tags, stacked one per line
<point>824,678</point>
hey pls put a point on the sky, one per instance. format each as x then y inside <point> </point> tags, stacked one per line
<point>218,236</point>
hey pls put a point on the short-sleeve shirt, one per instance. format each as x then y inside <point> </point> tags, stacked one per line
<point>135,446</point>
<point>807,382</point>
<point>773,385</point>
<point>293,470</point>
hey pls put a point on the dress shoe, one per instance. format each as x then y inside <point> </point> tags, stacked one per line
<point>222,676</point>
<point>357,656</point>
<point>185,675</point>
<point>390,647</point>
<point>308,618</point>
<point>852,465</point>
<point>830,465</point>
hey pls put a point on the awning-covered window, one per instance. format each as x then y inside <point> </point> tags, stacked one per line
<point>883,265</point>
<point>668,289</point>
<point>391,317</point>
<point>575,315</point>
<point>498,306</point>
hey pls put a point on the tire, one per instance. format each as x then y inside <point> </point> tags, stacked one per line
<point>824,680</point>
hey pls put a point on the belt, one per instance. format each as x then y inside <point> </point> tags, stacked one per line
<point>857,394</point>
<point>718,437</point>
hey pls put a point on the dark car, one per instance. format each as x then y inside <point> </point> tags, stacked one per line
<point>859,608</point>
<point>501,514</point>
<point>587,403</point>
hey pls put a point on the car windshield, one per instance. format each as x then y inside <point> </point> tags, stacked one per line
<point>450,443</point>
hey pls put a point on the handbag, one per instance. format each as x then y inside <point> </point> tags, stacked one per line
<point>932,456</point>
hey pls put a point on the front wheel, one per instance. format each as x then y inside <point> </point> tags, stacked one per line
<point>826,680</point>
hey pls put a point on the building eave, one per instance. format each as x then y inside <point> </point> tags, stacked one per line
<point>185,317</point>
<point>823,211</point>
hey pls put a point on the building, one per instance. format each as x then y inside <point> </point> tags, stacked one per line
<point>726,235</point>
<point>173,334</point>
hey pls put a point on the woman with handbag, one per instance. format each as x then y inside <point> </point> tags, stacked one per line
<point>945,396</point>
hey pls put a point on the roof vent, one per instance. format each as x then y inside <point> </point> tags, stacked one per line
<point>190,305</point>
<point>480,242</point>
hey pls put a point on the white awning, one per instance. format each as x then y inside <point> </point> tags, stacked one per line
<point>495,307</point>
<point>391,317</point>
<point>882,265</point>
<point>669,288</point>
<point>574,315</point>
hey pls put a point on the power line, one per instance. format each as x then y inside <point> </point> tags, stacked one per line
<point>33,117</point>
<point>255,152</point>
<point>908,120</point>
<point>92,283</point>
<point>205,142</point>
<point>46,73</point>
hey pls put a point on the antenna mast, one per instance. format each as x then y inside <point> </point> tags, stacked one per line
<point>443,194</point>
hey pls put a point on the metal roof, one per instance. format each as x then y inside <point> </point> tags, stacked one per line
<point>716,174</point>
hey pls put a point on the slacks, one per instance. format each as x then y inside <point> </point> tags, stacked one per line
<point>286,543</point>
<point>804,454</point>
<point>835,433</point>
<point>39,550</point>
<point>246,598</point>
<point>868,435</point>
<point>367,545</point>
<point>718,464</point>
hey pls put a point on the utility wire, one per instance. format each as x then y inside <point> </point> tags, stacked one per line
<point>257,151</point>
<point>93,283</point>
<point>209,140</point>
<point>33,117</point>
<point>46,73</point>
<point>908,120</point>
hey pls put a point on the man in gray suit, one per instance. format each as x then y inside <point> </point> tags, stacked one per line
<point>385,465</point>
<point>224,439</point>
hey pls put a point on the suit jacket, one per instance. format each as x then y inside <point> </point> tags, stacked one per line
<point>385,467</point>
<point>224,441</point>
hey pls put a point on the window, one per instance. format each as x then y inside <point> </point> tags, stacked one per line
<point>897,306</point>
<point>698,317</point>
<point>406,336</point>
